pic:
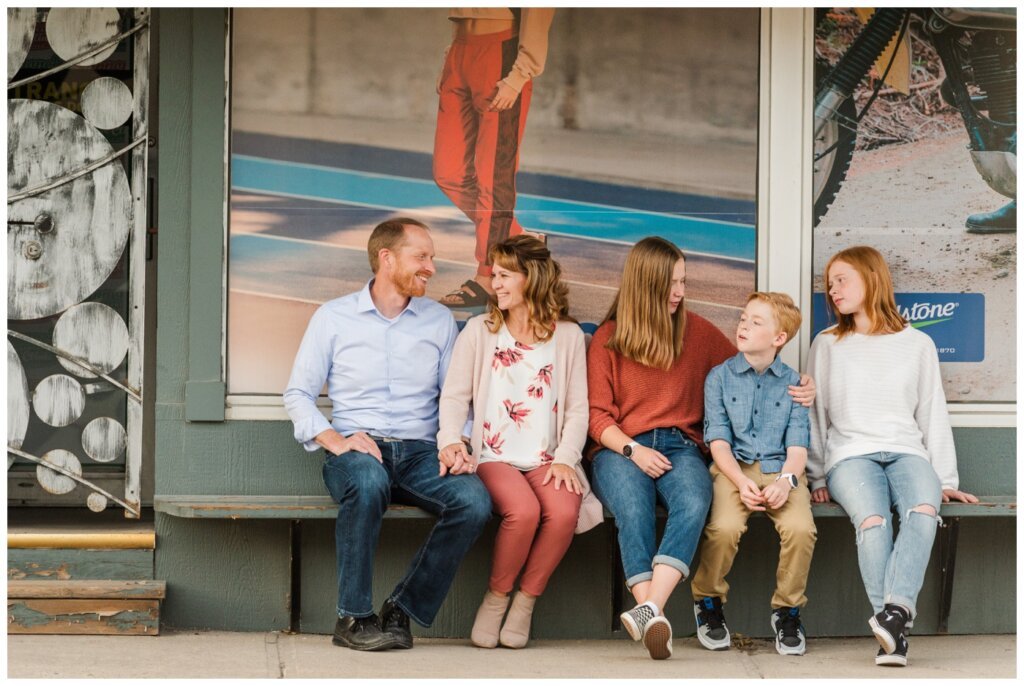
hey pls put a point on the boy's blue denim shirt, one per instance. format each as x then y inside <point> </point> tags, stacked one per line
<point>754,413</point>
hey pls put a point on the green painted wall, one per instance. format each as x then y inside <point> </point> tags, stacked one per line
<point>237,574</point>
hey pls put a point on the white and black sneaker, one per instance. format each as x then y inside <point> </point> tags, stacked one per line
<point>889,626</point>
<point>789,631</point>
<point>897,658</point>
<point>636,620</point>
<point>658,638</point>
<point>712,632</point>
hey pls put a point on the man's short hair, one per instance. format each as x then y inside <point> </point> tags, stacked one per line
<point>390,235</point>
<point>786,314</point>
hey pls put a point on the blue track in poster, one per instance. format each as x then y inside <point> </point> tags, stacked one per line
<point>398,181</point>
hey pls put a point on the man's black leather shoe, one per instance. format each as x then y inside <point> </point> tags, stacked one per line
<point>395,622</point>
<point>361,633</point>
<point>1003,220</point>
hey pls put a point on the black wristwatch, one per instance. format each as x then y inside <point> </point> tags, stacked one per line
<point>627,449</point>
<point>789,479</point>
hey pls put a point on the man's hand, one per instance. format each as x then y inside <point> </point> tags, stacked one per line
<point>751,495</point>
<point>504,97</point>
<point>805,392</point>
<point>820,495</point>
<point>334,442</point>
<point>563,473</point>
<point>650,461</point>
<point>776,494</point>
<point>455,459</point>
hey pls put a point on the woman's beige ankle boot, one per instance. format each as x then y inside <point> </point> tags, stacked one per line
<point>516,631</point>
<point>488,620</point>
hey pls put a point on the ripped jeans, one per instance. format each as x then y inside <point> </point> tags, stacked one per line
<point>871,485</point>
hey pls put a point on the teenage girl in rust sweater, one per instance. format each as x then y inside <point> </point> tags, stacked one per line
<point>645,372</point>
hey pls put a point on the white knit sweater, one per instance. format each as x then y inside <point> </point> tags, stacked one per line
<point>878,393</point>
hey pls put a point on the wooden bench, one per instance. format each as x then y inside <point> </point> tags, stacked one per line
<point>300,507</point>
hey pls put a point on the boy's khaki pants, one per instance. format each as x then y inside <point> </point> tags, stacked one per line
<point>728,522</point>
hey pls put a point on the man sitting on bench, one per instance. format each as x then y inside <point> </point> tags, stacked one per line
<point>384,352</point>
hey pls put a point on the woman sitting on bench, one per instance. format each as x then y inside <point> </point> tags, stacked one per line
<point>522,369</point>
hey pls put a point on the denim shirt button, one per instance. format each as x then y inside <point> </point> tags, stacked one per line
<point>776,404</point>
<point>759,454</point>
<point>755,411</point>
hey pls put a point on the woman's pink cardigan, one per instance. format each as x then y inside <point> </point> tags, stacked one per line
<point>469,380</point>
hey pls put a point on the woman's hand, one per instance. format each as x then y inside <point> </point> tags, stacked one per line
<point>504,97</point>
<point>650,461</point>
<point>949,494</point>
<point>820,495</point>
<point>455,459</point>
<point>805,392</point>
<point>563,473</point>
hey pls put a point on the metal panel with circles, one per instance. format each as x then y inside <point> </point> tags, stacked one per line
<point>77,128</point>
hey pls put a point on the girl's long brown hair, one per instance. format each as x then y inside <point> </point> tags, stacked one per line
<point>645,331</point>
<point>546,296</point>
<point>879,295</point>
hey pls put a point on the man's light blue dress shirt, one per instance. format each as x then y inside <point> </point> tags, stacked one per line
<point>384,376</point>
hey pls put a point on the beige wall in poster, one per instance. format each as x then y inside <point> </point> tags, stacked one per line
<point>697,77</point>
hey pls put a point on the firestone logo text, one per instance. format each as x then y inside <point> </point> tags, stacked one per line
<point>925,314</point>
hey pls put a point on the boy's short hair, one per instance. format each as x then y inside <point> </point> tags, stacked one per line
<point>783,309</point>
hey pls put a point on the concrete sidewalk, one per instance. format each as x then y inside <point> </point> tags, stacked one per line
<point>275,655</point>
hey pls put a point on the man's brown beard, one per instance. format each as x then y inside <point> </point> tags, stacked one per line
<point>408,285</point>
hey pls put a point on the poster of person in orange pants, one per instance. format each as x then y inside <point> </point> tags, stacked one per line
<point>484,95</point>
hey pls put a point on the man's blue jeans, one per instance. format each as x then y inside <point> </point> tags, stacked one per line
<point>872,484</point>
<point>363,489</point>
<point>631,495</point>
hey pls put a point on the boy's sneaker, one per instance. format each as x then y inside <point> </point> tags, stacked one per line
<point>897,658</point>
<point>889,626</point>
<point>658,638</point>
<point>636,620</point>
<point>789,631</point>
<point>712,632</point>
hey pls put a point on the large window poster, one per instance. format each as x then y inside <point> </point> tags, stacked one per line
<point>915,154</point>
<point>641,122</point>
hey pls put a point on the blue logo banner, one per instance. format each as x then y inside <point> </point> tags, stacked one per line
<point>955,321</point>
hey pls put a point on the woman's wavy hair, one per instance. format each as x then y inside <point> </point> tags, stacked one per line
<point>546,296</point>
<point>879,295</point>
<point>645,331</point>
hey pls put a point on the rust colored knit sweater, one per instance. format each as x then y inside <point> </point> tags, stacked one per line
<point>636,398</point>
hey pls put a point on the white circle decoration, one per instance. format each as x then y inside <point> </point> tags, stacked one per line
<point>62,244</point>
<point>92,332</point>
<point>107,102</point>
<point>104,439</point>
<point>73,31</point>
<point>97,502</point>
<point>59,400</point>
<point>55,482</point>
<point>21,29</point>
<point>17,400</point>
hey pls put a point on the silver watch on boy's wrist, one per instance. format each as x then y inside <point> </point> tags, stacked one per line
<point>790,479</point>
<point>627,449</point>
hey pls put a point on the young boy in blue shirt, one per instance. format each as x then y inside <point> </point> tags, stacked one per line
<point>758,438</point>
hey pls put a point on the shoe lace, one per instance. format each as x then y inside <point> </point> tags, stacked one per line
<point>789,624</point>
<point>711,615</point>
